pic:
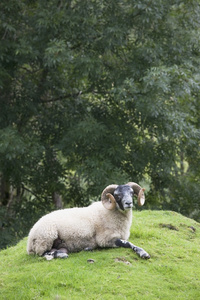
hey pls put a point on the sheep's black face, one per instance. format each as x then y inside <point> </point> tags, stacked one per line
<point>124,197</point>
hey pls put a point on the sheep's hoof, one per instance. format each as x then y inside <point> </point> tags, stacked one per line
<point>145,256</point>
<point>88,249</point>
<point>142,253</point>
<point>59,254</point>
<point>49,256</point>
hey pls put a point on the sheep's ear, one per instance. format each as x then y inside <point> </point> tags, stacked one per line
<point>141,197</point>
<point>110,202</point>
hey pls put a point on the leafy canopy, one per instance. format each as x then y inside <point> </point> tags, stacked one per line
<point>94,92</point>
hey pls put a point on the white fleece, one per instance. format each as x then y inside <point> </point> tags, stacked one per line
<point>87,227</point>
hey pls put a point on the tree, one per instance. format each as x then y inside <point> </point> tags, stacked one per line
<point>94,92</point>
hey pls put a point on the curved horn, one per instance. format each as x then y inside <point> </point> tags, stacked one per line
<point>107,198</point>
<point>139,192</point>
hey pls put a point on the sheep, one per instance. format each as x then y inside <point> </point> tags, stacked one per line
<point>105,223</point>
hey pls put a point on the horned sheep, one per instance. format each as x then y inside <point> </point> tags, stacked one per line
<point>102,224</point>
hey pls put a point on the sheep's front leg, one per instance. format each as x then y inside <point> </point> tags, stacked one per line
<point>125,244</point>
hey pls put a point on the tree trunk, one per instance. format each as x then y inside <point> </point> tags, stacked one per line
<point>57,200</point>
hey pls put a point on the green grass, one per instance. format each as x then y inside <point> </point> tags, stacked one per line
<point>173,272</point>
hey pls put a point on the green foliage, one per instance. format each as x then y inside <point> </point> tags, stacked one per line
<point>105,90</point>
<point>173,271</point>
<point>16,222</point>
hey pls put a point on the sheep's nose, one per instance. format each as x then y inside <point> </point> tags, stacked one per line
<point>128,203</point>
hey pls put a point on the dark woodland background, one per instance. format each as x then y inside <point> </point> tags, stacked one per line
<point>93,93</point>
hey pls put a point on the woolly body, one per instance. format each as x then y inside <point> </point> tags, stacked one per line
<point>87,227</point>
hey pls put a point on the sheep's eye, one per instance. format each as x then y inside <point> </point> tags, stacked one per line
<point>119,195</point>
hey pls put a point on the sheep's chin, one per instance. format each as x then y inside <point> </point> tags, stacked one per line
<point>128,208</point>
<point>125,208</point>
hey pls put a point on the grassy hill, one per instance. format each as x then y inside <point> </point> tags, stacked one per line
<point>173,272</point>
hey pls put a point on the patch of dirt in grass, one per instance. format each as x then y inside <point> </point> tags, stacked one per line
<point>169,226</point>
<point>123,260</point>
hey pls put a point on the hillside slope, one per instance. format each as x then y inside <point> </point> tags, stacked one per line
<point>173,272</point>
